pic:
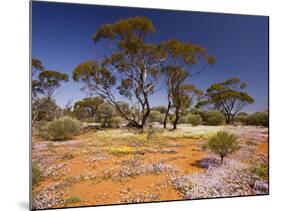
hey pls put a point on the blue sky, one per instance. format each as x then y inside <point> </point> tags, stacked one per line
<point>61,39</point>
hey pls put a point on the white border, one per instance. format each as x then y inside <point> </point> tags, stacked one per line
<point>14,116</point>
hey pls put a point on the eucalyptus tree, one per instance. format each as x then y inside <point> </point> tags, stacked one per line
<point>44,83</point>
<point>87,107</point>
<point>182,97</point>
<point>131,66</point>
<point>228,97</point>
<point>179,65</point>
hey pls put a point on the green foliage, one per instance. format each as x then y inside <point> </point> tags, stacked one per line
<point>194,119</point>
<point>46,109</point>
<point>222,143</point>
<point>258,119</point>
<point>51,80</point>
<point>115,121</point>
<point>241,117</point>
<point>87,108</point>
<point>62,128</point>
<point>72,199</point>
<point>91,71</point>
<point>36,174</point>
<point>213,118</point>
<point>261,171</point>
<point>227,97</point>
<point>105,113</point>
<point>156,116</point>
<point>161,109</point>
<point>129,29</point>
<point>36,66</point>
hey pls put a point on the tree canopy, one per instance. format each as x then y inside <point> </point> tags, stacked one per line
<point>228,97</point>
<point>87,107</point>
<point>44,83</point>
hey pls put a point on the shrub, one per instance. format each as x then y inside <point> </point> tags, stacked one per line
<point>197,111</point>
<point>72,199</point>
<point>222,143</point>
<point>115,121</point>
<point>62,128</point>
<point>260,171</point>
<point>36,174</point>
<point>156,116</point>
<point>258,119</point>
<point>213,118</point>
<point>194,119</point>
<point>182,120</point>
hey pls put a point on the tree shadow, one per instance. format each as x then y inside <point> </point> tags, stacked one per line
<point>206,163</point>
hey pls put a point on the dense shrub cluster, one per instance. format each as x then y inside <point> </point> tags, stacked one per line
<point>194,119</point>
<point>213,118</point>
<point>115,122</point>
<point>258,119</point>
<point>260,171</point>
<point>62,128</point>
<point>156,116</point>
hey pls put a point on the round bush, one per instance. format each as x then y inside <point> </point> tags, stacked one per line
<point>182,120</point>
<point>213,118</point>
<point>62,128</point>
<point>156,116</point>
<point>115,121</point>
<point>194,119</point>
<point>222,143</point>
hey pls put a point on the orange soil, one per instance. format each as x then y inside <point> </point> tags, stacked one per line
<point>263,148</point>
<point>100,191</point>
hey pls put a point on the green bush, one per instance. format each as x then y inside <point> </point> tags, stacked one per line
<point>182,120</point>
<point>62,128</point>
<point>115,121</point>
<point>194,119</point>
<point>261,171</point>
<point>222,143</point>
<point>213,118</point>
<point>258,119</point>
<point>156,116</point>
<point>36,174</point>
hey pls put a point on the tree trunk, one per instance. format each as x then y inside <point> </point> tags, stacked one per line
<point>227,118</point>
<point>146,114</point>
<point>167,113</point>
<point>222,159</point>
<point>176,119</point>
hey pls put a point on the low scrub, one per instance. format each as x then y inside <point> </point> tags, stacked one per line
<point>72,199</point>
<point>260,171</point>
<point>122,150</point>
<point>62,128</point>
<point>115,122</point>
<point>213,118</point>
<point>257,119</point>
<point>36,174</point>
<point>194,119</point>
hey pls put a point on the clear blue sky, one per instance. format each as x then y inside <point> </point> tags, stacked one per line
<point>61,39</point>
